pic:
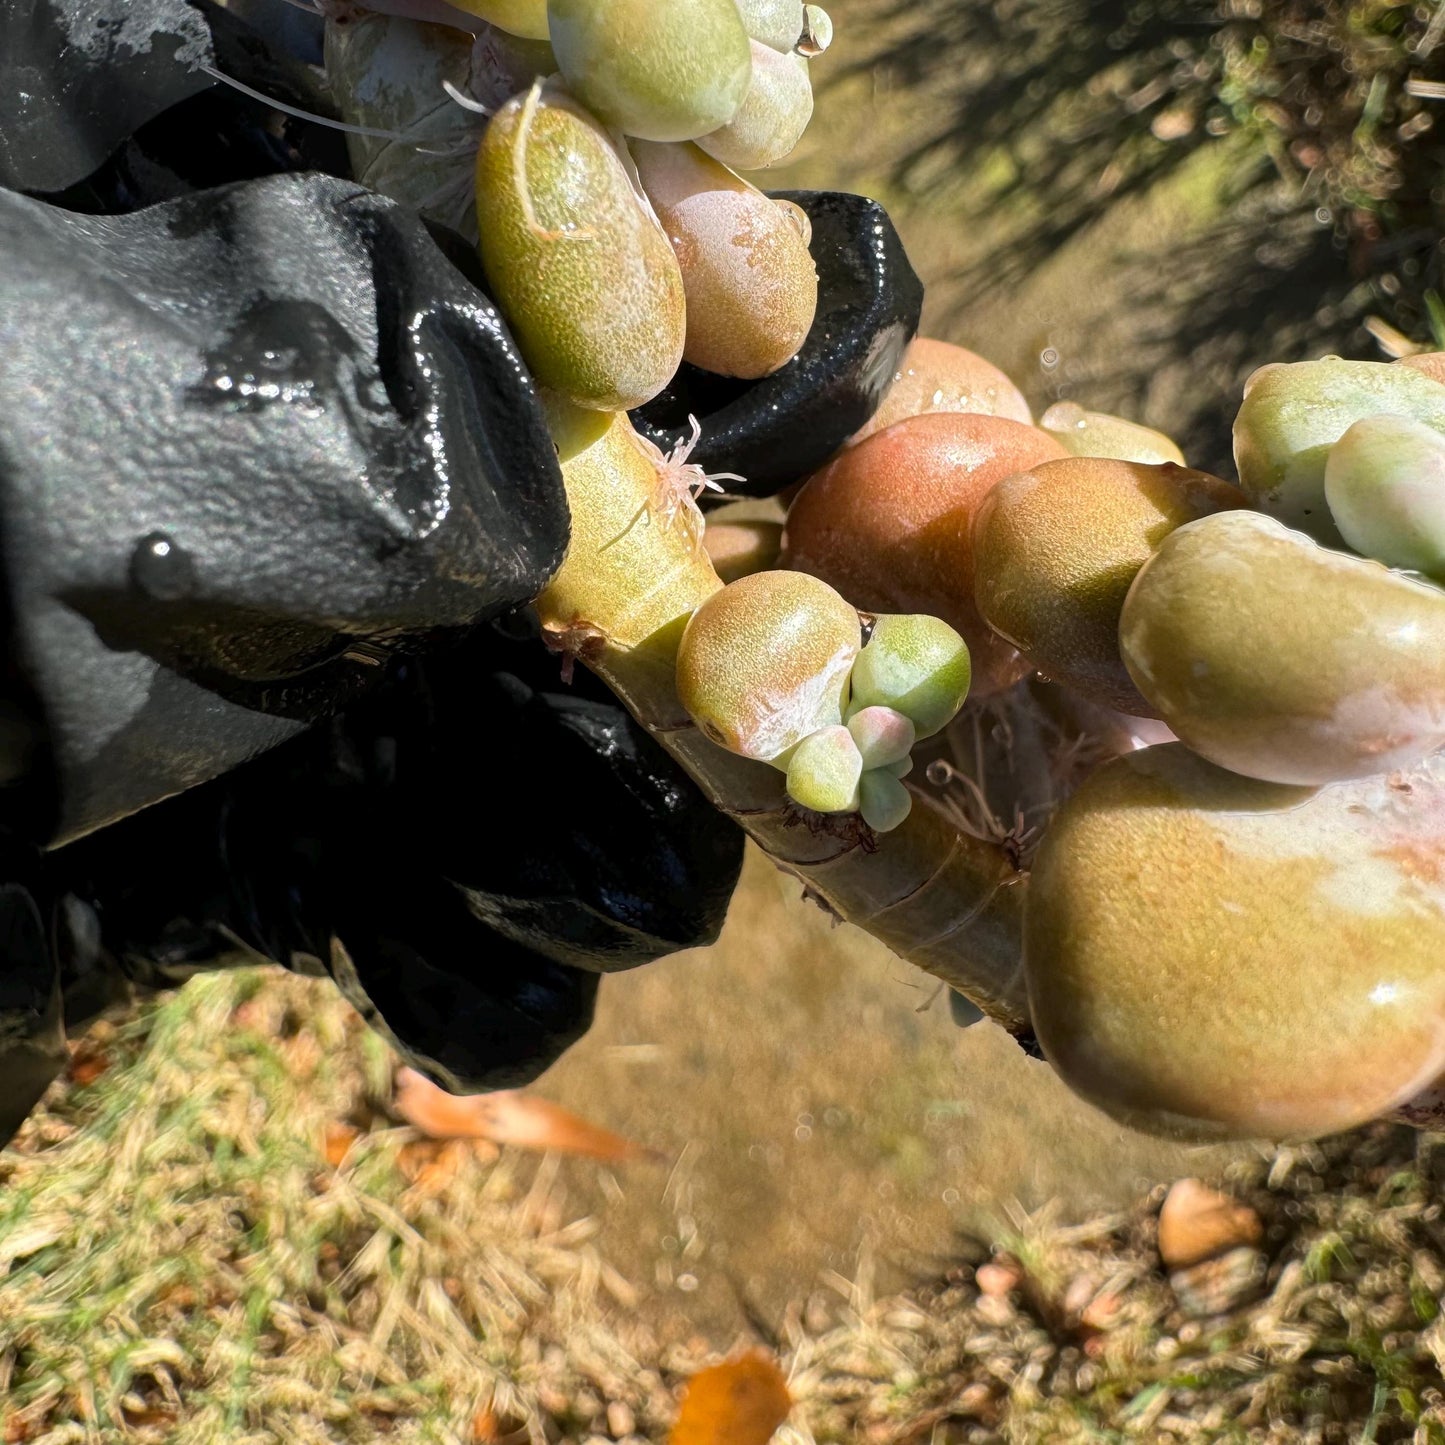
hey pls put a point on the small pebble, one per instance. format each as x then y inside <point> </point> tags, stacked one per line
<point>997,1277</point>
<point>1079,1294</point>
<point>1217,1286</point>
<point>1198,1223</point>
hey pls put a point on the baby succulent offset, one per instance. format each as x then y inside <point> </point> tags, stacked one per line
<point>883,801</point>
<point>884,738</point>
<point>912,664</point>
<point>588,281</point>
<point>884,735</point>
<point>661,72</point>
<point>823,771</point>
<point>1284,660</point>
<point>1209,956</point>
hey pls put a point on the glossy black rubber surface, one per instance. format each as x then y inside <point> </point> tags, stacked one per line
<point>252,442</point>
<point>479,846</point>
<point>268,460</point>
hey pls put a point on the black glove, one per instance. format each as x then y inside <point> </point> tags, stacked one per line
<point>776,431</point>
<point>253,441</point>
<point>331,470</point>
<point>87,80</point>
<point>480,841</point>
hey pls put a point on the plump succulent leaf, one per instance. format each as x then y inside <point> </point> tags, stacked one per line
<point>1284,660</point>
<point>585,275</point>
<point>1210,956</point>
<point>764,662</point>
<point>665,72</point>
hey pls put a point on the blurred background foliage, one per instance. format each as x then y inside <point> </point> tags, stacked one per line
<point>1319,126</point>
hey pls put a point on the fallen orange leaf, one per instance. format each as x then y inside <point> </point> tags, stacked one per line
<point>738,1403</point>
<point>87,1063</point>
<point>431,1164</point>
<point>507,1117</point>
<point>339,1139</point>
<point>489,1427</point>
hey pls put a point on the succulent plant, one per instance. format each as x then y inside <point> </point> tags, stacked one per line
<point>765,662</point>
<point>772,117</point>
<point>1293,414</point>
<point>751,287</point>
<point>1385,485</point>
<point>889,522</point>
<point>583,272</point>
<point>1284,660</point>
<point>1056,548</point>
<point>1210,956</point>
<point>914,665</point>
<point>1216,932</point>
<point>938,376</point>
<point>824,771</point>
<point>1097,434</point>
<point>659,72</point>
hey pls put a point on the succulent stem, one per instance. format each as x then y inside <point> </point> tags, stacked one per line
<point>950,903</point>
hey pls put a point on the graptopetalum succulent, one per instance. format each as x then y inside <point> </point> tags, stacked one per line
<point>1190,826</point>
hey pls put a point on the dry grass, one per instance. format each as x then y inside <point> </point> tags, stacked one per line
<point>225,1237</point>
<point>1345,1343</point>
<point>184,1263</point>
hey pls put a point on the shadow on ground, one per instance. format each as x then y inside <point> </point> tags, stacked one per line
<point>1134,205</point>
<point>822,1115</point>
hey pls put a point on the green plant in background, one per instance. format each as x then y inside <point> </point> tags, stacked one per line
<point>1315,122</point>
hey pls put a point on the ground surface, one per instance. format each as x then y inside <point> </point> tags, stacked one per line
<point>218,1229</point>
<point>823,1112</point>
<point>1134,203</point>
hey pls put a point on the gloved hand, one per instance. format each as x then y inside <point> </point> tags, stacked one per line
<point>268,461</point>
<point>480,842</point>
<point>254,441</point>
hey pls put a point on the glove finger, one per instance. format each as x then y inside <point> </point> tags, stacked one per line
<point>88,76</point>
<point>568,828</point>
<point>468,1008</point>
<point>108,112</point>
<point>325,444</point>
